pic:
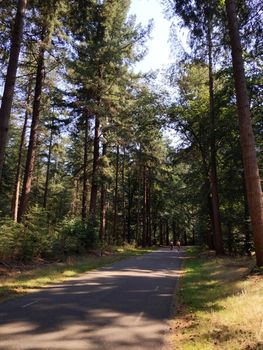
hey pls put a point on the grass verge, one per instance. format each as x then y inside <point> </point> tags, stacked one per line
<point>17,283</point>
<point>220,305</point>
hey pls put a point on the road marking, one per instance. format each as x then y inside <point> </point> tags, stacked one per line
<point>156,288</point>
<point>33,302</point>
<point>139,317</point>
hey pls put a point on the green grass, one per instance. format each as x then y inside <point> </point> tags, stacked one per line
<point>220,305</point>
<point>21,283</point>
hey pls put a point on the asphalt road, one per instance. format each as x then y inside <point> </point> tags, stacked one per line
<point>125,306</point>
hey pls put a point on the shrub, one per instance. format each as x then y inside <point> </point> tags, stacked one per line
<point>11,239</point>
<point>77,237</point>
<point>28,240</point>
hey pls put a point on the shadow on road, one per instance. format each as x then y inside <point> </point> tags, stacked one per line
<point>125,306</point>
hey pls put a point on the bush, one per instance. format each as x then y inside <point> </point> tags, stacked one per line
<point>29,240</point>
<point>11,240</point>
<point>77,237</point>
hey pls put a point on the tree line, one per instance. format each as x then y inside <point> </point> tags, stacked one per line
<point>83,157</point>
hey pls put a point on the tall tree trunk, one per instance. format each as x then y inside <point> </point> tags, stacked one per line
<point>31,153</point>
<point>85,171</point>
<point>246,226</point>
<point>167,233</point>
<point>130,201</point>
<point>9,87</point>
<point>174,231</point>
<point>144,208</point>
<point>218,241</point>
<point>115,233</point>
<point>148,212</point>
<point>15,199</point>
<point>94,181</point>
<point>123,198</point>
<point>161,232</point>
<point>48,165</point>
<point>75,200</point>
<point>247,140</point>
<point>103,201</point>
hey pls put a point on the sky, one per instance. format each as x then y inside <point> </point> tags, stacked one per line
<point>159,48</point>
<point>159,55</point>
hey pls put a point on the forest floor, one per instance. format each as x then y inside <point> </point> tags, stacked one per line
<point>219,304</point>
<point>19,278</point>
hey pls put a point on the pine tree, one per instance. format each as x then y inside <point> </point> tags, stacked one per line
<point>252,177</point>
<point>10,80</point>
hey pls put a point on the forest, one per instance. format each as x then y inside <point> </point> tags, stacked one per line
<point>84,160</point>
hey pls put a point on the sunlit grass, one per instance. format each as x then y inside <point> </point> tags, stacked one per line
<point>220,306</point>
<point>21,283</point>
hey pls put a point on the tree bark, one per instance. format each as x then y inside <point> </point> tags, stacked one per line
<point>130,202</point>
<point>48,165</point>
<point>15,199</point>
<point>9,87</point>
<point>85,172</point>
<point>148,211</point>
<point>218,241</point>
<point>103,202</point>
<point>123,198</point>
<point>174,232</point>
<point>247,140</point>
<point>144,208</point>
<point>31,153</point>
<point>115,233</point>
<point>94,181</point>
<point>161,232</point>
<point>167,233</point>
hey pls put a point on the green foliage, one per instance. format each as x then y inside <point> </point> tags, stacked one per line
<point>29,240</point>
<point>38,239</point>
<point>77,237</point>
<point>11,240</point>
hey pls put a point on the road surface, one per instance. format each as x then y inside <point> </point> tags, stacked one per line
<point>124,306</point>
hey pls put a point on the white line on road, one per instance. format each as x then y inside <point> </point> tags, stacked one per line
<point>33,302</point>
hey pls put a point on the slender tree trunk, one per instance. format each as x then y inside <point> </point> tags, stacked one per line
<point>9,87</point>
<point>247,140</point>
<point>115,233</point>
<point>218,241</point>
<point>174,232</point>
<point>144,208</point>
<point>31,154</point>
<point>161,232</point>
<point>148,212</point>
<point>103,205</point>
<point>15,199</point>
<point>148,209</point>
<point>48,165</point>
<point>246,225</point>
<point>123,198</point>
<point>74,204</point>
<point>85,172</point>
<point>130,200</point>
<point>167,233</point>
<point>208,205</point>
<point>94,182</point>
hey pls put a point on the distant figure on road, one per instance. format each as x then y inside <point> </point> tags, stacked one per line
<point>178,245</point>
<point>171,245</point>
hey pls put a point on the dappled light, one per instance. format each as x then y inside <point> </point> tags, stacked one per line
<point>127,304</point>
